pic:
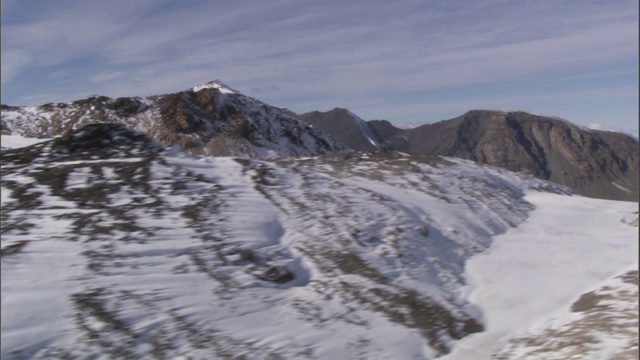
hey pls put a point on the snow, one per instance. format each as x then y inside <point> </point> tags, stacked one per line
<point>26,120</point>
<point>18,141</point>
<point>620,187</point>
<point>216,84</point>
<point>533,273</point>
<point>190,275</point>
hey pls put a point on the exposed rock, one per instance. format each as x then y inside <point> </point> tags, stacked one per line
<point>385,130</point>
<point>214,120</point>
<point>346,128</point>
<point>593,163</point>
<point>96,137</point>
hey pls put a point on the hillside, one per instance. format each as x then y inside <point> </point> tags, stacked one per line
<point>131,250</point>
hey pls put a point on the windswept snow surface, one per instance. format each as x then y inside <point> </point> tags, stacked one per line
<point>372,256</point>
<point>531,275</point>
<point>17,141</point>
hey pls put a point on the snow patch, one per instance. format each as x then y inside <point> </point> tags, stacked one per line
<point>620,187</point>
<point>567,245</point>
<point>215,84</point>
<point>18,141</point>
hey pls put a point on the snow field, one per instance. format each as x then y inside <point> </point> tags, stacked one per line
<point>324,258</point>
<point>531,275</point>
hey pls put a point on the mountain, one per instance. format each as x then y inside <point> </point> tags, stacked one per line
<point>127,233</point>
<point>114,246</point>
<point>215,120</point>
<point>346,127</point>
<point>384,128</point>
<point>593,163</point>
<point>211,119</point>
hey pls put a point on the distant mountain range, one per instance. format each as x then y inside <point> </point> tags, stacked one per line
<point>593,163</point>
<point>215,120</point>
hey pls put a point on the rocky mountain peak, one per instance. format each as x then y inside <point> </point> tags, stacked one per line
<point>346,127</point>
<point>592,163</point>
<point>217,122</point>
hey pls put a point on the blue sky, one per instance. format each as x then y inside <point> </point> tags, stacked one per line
<point>409,62</point>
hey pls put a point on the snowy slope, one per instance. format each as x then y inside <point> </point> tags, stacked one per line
<point>527,283</point>
<point>129,250</point>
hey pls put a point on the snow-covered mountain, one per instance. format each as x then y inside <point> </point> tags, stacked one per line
<point>210,119</point>
<point>114,246</point>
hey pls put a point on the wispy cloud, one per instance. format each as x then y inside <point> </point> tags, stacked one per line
<point>13,62</point>
<point>314,53</point>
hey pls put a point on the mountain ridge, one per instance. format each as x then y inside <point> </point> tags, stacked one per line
<point>216,120</point>
<point>593,163</point>
<point>346,128</point>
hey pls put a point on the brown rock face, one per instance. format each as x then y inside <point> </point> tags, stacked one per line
<point>593,163</point>
<point>347,129</point>
<point>204,122</point>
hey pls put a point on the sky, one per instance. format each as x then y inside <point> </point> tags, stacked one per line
<point>409,62</point>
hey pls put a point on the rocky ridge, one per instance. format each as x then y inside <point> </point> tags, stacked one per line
<point>211,120</point>
<point>593,163</point>
<point>215,120</point>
